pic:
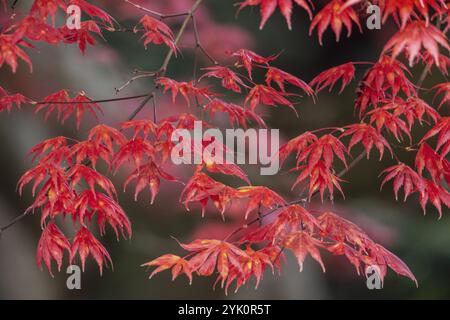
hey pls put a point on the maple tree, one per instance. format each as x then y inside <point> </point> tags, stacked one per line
<point>71,178</point>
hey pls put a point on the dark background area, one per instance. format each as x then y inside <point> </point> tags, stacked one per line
<point>421,241</point>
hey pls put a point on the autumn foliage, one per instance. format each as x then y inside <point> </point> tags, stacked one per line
<point>71,178</point>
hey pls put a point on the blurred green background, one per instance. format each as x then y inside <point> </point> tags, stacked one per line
<point>421,241</point>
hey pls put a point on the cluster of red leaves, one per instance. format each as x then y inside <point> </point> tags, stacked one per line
<point>39,26</point>
<point>156,32</point>
<point>65,180</point>
<point>65,107</point>
<point>8,101</point>
<point>295,229</point>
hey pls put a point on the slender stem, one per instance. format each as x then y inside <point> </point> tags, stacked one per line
<point>13,222</point>
<point>93,101</point>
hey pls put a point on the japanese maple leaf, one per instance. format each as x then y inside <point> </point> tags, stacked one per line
<point>320,178</point>
<point>45,8</point>
<point>92,178</point>
<point>442,131</point>
<point>136,149</point>
<point>280,77</point>
<point>414,38</point>
<point>406,177</point>
<point>334,14</point>
<point>267,96</point>
<point>93,11</point>
<point>326,148</point>
<point>230,80</point>
<point>49,145</point>
<point>368,96</point>
<point>146,127</point>
<point>53,201</point>
<point>258,198</point>
<point>290,219</point>
<point>11,50</point>
<point>156,32</point>
<point>36,29</point>
<point>78,107</point>
<point>210,254</point>
<point>383,119</point>
<point>202,188</point>
<point>436,195</point>
<point>8,101</point>
<point>56,176</point>
<point>65,107</point>
<point>298,144</point>
<point>443,88</point>
<point>51,246</point>
<point>90,151</point>
<point>249,59</point>
<point>83,35</point>
<point>107,136</point>
<point>255,266</point>
<point>301,244</point>
<point>170,261</point>
<point>414,109</point>
<point>368,136</point>
<point>149,175</point>
<point>85,244</point>
<point>406,10</point>
<point>268,7</point>
<point>427,158</point>
<point>341,230</point>
<point>54,102</point>
<point>389,74</point>
<point>329,78</point>
<point>236,114</point>
<point>90,203</point>
<point>186,89</point>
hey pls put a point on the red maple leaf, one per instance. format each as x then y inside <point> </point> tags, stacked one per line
<point>51,246</point>
<point>90,151</point>
<point>267,96</point>
<point>85,244</point>
<point>249,59</point>
<point>8,101</point>
<point>186,89</point>
<point>90,203</point>
<point>170,261</point>
<point>230,80</point>
<point>11,50</point>
<point>236,114</point>
<point>45,8</point>
<point>156,32</point>
<point>259,198</point>
<point>368,136</point>
<point>301,244</point>
<point>280,77</point>
<point>442,131</point>
<point>146,127</point>
<point>83,35</point>
<point>404,176</point>
<point>148,175</point>
<point>415,36</point>
<point>94,11</point>
<point>105,135</point>
<point>334,14</point>
<point>329,78</point>
<point>202,188</point>
<point>268,8</point>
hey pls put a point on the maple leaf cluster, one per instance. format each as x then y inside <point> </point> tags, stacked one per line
<point>71,178</point>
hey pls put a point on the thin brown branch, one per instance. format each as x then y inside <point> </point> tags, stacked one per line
<point>92,101</point>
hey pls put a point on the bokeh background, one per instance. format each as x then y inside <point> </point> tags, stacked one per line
<point>421,241</point>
